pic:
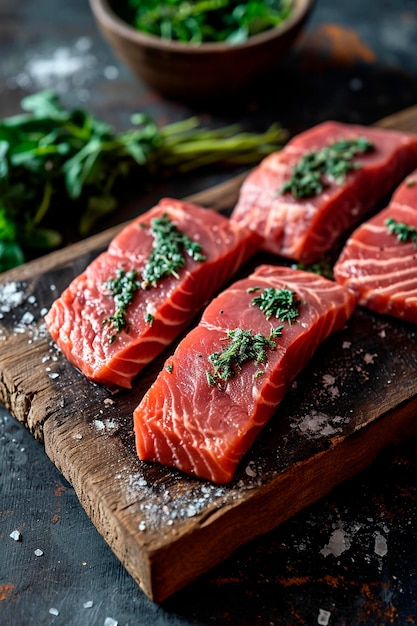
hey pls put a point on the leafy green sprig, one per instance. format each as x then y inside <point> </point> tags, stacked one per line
<point>280,303</point>
<point>61,170</point>
<point>311,173</point>
<point>243,346</point>
<point>404,231</point>
<point>200,21</point>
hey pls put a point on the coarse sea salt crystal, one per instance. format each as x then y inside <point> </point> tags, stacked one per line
<point>16,535</point>
<point>38,552</point>
<point>323,617</point>
<point>53,611</point>
<point>88,604</point>
<point>381,546</point>
<point>109,621</point>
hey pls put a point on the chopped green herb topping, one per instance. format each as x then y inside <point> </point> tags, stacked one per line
<point>332,163</point>
<point>243,346</point>
<point>322,268</point>
<point>165,260</point>
<point>123,289</point>
<point>411,183</point>
<point>167,256</point>
<point>169,368</point>
<point>403,231</point>
<point>280,303</point>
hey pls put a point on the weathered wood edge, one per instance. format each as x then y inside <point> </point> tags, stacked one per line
<point>163,570</point>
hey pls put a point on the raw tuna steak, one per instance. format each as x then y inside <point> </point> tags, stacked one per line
<point>119,314</point>
<point>379,261</point>
<point>302,199</point>
<point>209,402</point>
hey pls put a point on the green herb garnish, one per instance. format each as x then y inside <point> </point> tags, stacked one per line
<point>280,303</point>
<point>243,346</point>
<point>331,163</point>
<point>167,256</point>
<point>166,259</point>
<point>123,289</point>
<point>199,21</point>
<point>321,268</point>
<point>61,171</point>
<point>403,231</point>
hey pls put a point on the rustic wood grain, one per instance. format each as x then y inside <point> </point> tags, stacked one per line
<point>357,396</point>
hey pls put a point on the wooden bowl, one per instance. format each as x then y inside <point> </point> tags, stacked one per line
<point>209,70</point>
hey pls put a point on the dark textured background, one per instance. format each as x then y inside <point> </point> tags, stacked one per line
<point>350,559</point>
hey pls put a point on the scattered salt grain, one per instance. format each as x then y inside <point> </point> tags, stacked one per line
<point>346,345</point>
<point>38,552</point>
<point>369,358</point>
<point>381,547</point>
<point>77,436</point>
<point>250,471</point>
<point>111,72</point>
<point>54,611</point>
<point>108,401</point>
<point>338,543</point>
<point>356,84</point>
<point>11,295</point>
<point>323,617</point>
<point>16,535</point>
<point>142,525</point>
<point>382,334</point>
<point>88,604</point>
<point>109,621</point>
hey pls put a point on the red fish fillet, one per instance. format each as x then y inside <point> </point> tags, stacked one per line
<point>185,422</point>
<point>76,320</point>
<point>376,266</point>
<point>305,228</point>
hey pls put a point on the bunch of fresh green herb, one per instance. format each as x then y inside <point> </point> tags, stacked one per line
<point>60,170</point>
<point>332,163</point>
<point>200,21</point>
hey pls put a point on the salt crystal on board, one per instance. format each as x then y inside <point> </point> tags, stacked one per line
<point>109,621</point>
<point>54,611</point>
<point>88,604</point>
<point>38,552</point>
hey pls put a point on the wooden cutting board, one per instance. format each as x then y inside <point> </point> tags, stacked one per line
<point>357,396</point>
